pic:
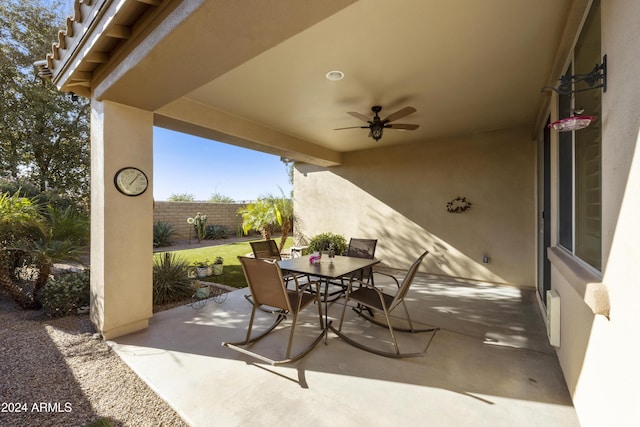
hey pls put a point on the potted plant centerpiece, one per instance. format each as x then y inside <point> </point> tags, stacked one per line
<point>218,266</point>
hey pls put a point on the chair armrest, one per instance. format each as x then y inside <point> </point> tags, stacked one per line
<point>364,284</point>
<point>395,279</point>
<point>306,285</point>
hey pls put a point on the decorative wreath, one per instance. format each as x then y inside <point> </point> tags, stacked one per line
<point>458,205</point>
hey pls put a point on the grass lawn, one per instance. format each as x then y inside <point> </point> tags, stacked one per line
<point>233,275</point>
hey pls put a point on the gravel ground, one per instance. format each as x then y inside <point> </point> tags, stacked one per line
<point>56,372</point>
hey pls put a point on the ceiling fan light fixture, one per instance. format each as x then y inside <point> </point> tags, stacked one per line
<point>335,75</point>
<point>376,125</point>
<point>376,132</point>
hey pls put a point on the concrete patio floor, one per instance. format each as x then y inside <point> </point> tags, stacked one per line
<point>489,365</point>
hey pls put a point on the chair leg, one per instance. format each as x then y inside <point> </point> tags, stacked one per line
<point>406,312</point>
<point>253,314</point>
<point>344,308</point>
<point>393,337</point>
<point>388,320</point>
<point>243,346</point>
<point>319,304</point>
<point>293,330</point>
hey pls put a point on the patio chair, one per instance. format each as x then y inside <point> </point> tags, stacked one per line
<point>266,249</point>
<point>268,290</point>
<point>358,248</point>
<point>367,295</point>
<point>362,248</point>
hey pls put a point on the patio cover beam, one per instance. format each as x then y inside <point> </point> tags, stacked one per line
<point>194,118</point>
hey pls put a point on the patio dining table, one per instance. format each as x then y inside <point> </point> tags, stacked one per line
<point>327,269</point>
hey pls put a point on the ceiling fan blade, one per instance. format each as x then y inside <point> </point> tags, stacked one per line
<point>400,114</point>
<point>359,116</point>
<point>402,126</point>
<point>353,127</point>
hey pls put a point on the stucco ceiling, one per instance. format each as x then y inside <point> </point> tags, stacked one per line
<point>465,69</point>
<point>467,66</point>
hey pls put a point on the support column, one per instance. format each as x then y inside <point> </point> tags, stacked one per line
<point>121,226</point>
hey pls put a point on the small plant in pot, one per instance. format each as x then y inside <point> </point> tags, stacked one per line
<point>218,266</point>
<point>203,268</point>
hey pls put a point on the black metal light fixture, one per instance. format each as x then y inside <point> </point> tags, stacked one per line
<point>376,131</point>
<point>592,78</point>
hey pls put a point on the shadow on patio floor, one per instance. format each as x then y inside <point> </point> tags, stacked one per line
<point>490,364</point>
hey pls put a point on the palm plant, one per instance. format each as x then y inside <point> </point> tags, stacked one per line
<point>44,252</point>
<point>68,224</point>
<point>19,219</point>
<point>28,238</point>
<point>267,214</point>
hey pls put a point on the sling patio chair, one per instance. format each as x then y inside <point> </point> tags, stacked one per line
<point>268,249</point>
<point>268,290</point>
<point>362,248</point>
<point>371,297</point>
<point>358,248</point>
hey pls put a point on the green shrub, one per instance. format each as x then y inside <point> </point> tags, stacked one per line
<point>215,231</point>
<point>68,292</point>
<point>68,224</point>
<point>170,279</point>
<point>322,241</point>
<point>163,234</point>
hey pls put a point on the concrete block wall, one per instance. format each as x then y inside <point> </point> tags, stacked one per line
<point>176,214</point>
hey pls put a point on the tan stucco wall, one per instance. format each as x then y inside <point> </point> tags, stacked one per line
<point>599,355</point>
<point>121,226</point>
<point>399,195</point>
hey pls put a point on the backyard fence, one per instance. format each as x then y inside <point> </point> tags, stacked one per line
<point>176,214</point>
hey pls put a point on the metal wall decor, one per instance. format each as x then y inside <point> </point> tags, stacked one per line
<point>458,205</point>
<point>592,78</point>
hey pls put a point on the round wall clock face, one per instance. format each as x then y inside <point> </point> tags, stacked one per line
<point>131,181</point>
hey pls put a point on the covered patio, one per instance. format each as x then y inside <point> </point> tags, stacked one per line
<point>490,364</point>
<point>254,74</point>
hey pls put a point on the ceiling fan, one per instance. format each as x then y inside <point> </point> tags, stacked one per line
<point>377,125</point>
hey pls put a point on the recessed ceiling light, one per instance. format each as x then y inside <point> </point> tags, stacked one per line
<point>335,75</point>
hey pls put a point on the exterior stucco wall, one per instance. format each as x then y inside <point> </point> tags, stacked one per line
<point>598,355</point>
<point>399,195</point>
<point>121,226</point>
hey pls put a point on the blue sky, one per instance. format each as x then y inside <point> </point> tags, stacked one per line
<point>188,164</point>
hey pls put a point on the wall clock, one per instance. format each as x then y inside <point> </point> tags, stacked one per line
<point>131,181</point>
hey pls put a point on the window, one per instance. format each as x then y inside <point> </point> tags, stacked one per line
<point>579,155</point>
